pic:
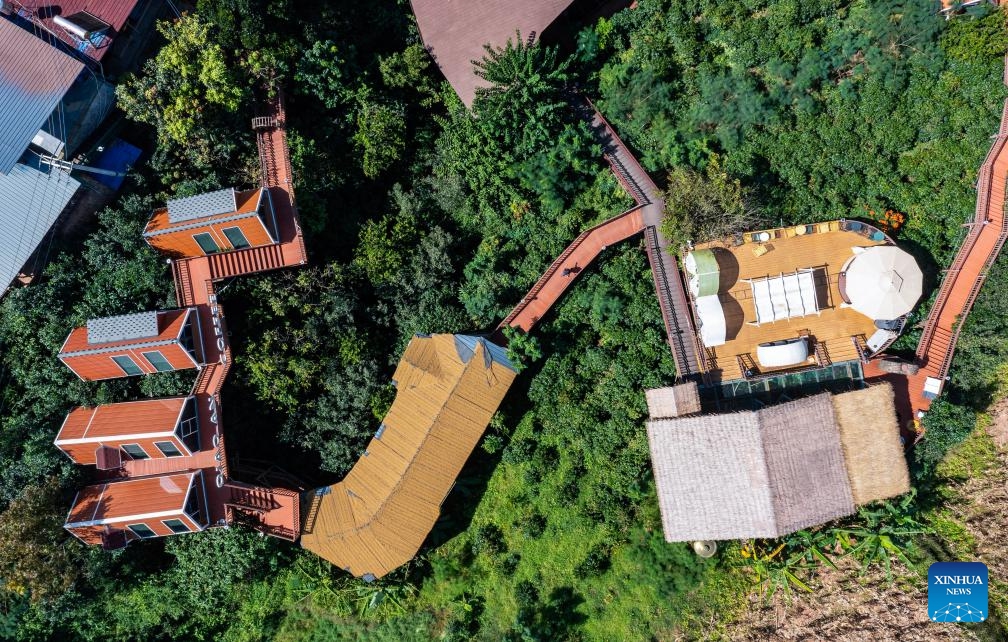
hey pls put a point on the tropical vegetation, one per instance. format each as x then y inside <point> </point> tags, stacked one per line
<point>423,216</point>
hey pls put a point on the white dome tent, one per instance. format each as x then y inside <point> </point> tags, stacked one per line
<point>882,282</point>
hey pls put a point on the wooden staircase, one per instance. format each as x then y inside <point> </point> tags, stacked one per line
<point>183,283</point>
<point>252,260</point>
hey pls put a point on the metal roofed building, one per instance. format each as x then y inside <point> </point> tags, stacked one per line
<point>140,508</point>
<point>34,77</point>
<point>151,428</point>
<point>455,32</point>
<point>85,26</point>
<point>773,471</point>
<point>213,222</point>
<point>33,197</point>
<point>447,389</point>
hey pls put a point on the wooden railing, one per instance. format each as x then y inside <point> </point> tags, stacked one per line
<point>938,359</point>
<point>559,261</point>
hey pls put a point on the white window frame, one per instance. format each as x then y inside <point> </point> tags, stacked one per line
<point>216,244</point>
<point>224,231</point>
<point>180,521</point>
<point>157,444</point>
<point>171,368</point>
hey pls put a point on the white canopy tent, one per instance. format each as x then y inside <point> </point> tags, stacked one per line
<point>786,296</point>
<point>713,329</point>
<point>882,282</point>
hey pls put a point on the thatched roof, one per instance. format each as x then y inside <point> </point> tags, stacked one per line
<point>447,388</point>
<point>869,433</point>
<point>711,477</point>
<point>674,401</point>
<point>777,470</point>
<point>805,462</point>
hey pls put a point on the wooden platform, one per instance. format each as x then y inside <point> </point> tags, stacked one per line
<point>825,251</point>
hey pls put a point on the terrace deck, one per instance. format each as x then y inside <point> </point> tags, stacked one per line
<point>825,250</point>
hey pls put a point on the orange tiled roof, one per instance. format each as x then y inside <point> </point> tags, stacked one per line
<point>248,202</point>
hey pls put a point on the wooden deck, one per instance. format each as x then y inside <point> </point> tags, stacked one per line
<point>833,327</point>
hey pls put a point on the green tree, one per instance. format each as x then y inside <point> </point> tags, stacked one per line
<point>37,557</point>
<point>380,135</point>
<point>188,74</point>
<point>705,207</point>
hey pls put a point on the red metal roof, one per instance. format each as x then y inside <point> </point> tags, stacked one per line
<point>113,12</point>
<point>115,501</point>
<point>455,32</point>
<point>170,325</point>
<point>122,419</point>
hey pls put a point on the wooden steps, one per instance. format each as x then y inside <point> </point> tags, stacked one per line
<point>252,260</point>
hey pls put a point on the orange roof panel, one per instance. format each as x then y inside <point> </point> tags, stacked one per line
<point>122,419</point>
<point>119,500</point>
<point>247,203</point>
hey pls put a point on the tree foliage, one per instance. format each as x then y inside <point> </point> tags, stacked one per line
<point>36,557</point>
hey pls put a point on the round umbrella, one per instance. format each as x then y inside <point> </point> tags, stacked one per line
<point>883,282</point>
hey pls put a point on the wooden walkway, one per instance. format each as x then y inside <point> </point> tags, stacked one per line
<point>274,511</point>
<point>644,217</point>
<point>963,280</point>
<point>562,272</point>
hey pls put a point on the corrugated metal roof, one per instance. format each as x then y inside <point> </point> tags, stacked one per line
<point>31,201</point>
<point>113,12</point>
<point>223,201</point>
<point>125,327</point>
<point>34,76</point>
<point>374,520</point>
<point>455,32</point>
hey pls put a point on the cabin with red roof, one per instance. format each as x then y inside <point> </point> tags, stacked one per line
<point>106,435</point>
<point>135,344</point>
<point>214,222</point>
<point>118,512</point>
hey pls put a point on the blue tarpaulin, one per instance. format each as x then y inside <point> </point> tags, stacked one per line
<point>118,157</point>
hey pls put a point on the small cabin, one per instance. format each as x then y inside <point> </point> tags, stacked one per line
<point>119,512</point>
<point>213,222</point>
<point>105,436</point>
<point>135,344</point>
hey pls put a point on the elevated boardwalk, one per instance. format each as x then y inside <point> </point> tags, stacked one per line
<point>963,280</point>
<point>273,511</point>
<point>645,217</point>
<point>562,272</point>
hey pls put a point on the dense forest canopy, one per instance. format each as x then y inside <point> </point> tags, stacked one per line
<point>422,216</point>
